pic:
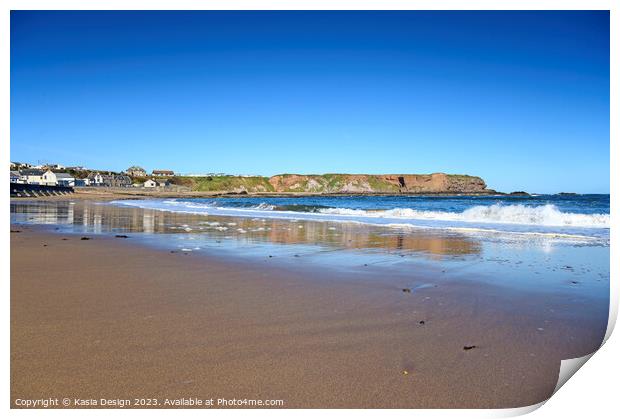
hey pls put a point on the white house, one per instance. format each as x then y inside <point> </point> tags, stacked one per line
<point>95,179</point>
<point>150,183</point>
<point>32,176</point>
<point>49,178</point>
<point>65,179</point>
<point>39,177</point>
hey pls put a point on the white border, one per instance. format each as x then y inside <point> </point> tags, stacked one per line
<point>592,393</point>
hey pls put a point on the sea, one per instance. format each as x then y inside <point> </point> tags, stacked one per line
<point>576,218</point>
<point>536,243</point>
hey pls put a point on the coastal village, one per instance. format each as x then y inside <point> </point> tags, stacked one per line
<point>59,175</point>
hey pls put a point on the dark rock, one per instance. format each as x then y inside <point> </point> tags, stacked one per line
<point>85,238</point>
<point>422,322</point>
<point>408,290</point>
<point>121,236</point>
<point>467,348</point>
<point>15,231</point>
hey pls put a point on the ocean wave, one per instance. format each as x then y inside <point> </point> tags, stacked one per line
<point>514,219</point>
<point>545,215</point>
<point>214,204</point>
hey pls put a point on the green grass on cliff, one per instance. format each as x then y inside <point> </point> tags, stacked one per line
<point>379,185</point>
<point>224,183</point>
<point>333,181</point>
<point>462,177</point>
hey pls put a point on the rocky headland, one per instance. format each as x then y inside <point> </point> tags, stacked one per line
<point>436,183</point>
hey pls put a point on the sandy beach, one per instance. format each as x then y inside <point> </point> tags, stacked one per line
<point>308,209</point>
<point>110,318</point>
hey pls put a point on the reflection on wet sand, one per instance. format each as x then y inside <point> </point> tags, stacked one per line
<point>100,218</point>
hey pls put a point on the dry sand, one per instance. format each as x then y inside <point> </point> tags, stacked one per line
<point>104,318</point>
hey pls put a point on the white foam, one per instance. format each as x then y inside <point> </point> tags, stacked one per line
<point>264,206</point>
<point>545,215</point>
<point>520,219</point>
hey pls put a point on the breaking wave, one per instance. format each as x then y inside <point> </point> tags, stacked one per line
<point>545,215</point>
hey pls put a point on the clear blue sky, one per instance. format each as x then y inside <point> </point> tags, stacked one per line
<point>519,98</point>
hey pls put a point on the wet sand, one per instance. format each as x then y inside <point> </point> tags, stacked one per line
<point>106,318</point>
